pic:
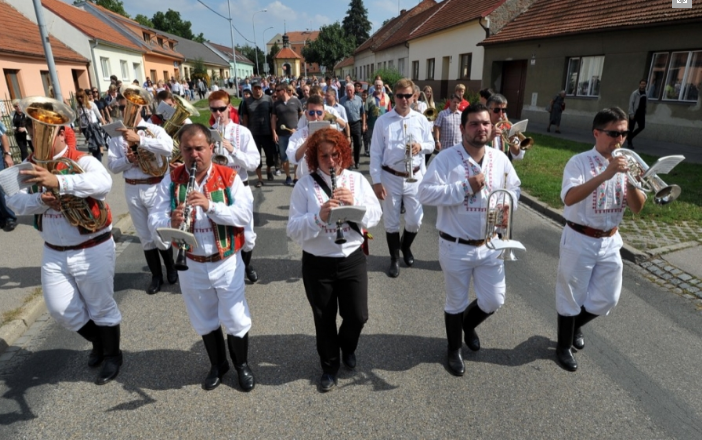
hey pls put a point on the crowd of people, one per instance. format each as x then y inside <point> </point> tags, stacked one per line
<point>320,128</point>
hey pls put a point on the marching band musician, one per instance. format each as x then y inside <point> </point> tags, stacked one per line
<point>78,266</point>
<point>595,191</point>
<point>167,97</point>
<point>243,156</point>
<point>213,286</point>
<point>459,181</point>
<point>140,189</point>
<point>388,150</point>
<point>333,273</point>
<point>497,105</point>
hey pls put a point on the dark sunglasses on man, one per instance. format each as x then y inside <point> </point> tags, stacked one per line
<point>315,112</point>
<point>497,110</point>
<point>404,95</point>
<point>218,109</point>
<point>614,134</point>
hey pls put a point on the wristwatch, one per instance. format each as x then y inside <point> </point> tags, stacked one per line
<point>6,153</point>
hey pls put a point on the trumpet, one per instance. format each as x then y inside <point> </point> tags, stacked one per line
<point>518,139</point>
<point>181,262</point>
<point>136,99</point>
<point>340,239</point>
<point>219,157</point>
<point>646,179</point>
<point>409,167</point>
<point>500,205</point>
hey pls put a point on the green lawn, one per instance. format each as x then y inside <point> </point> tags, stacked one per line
<point>203,107</point>
<point>541,173</point>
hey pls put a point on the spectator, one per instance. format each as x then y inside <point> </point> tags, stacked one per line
<point>637,111</point>
<point>556,107</point>
<point>459,90</point>
<point>484,95</point>
<point>19,125</point>
<point>8,220</point>
<point>88,117</point>
<point>429,96</point>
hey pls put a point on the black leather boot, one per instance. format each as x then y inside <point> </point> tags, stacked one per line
<point>113,355</point>
<point>393,239</point>
<point>405,243</point>
<point>154,263</point>
<point>217,352</point>
<point>239,351</point>
<point>171,272</point>
<point>91,332</point>
<point>565,339</point>
<point>454,323</point>
<point>473,316</point>
<point>250,271</point>
<point>583,318</point>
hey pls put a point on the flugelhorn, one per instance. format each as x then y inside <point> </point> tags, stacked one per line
<point>500,207</point>
<point>48,116</point>
<point>181,262</point>
<point>172,126</point>
<point>340,239</point>
<point>518,139</point>
<point>409,166</point>
<point>646,179</point>
<point>137,98</point>
<point>219,157</point>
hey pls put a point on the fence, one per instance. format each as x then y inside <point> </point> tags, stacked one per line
<point>6,111</point>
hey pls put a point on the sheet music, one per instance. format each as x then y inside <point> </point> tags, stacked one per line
<point>318,125</point>
<point>347,214</point>
<point>165,110</point>
<point>12,181</point>
<point>216,136</point>
<point>518,127</point>
<point>111,129</point>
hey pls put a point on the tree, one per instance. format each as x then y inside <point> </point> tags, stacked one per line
<point>356,24</point>
<point>172,23</point>
<point>115,6</point>
<point>331,46</point>
<point>143,20</point>
<point>269,58</point>
<point>250,53</point>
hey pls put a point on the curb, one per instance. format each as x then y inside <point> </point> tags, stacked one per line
<point>627,252</point>
<point>121,227</point>
<point>13,330</point>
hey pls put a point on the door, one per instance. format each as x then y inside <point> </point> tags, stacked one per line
<point>513,82</point>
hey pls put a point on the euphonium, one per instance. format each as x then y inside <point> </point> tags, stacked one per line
<point>172,126</point>
<point>640,177</point>
<point>136,99</point>
<point>340,239</point>
<point>181,262</point>
<point>48,116</point>
<point>499,217</point>
<point>518,139</point>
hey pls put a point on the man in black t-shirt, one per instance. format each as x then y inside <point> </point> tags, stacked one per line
<point>637,112</point>
<point>256,116</point>
<point>287,110</point>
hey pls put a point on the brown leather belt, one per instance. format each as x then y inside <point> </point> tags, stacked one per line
<point>85,245</point>
<point>149,181</point>
<point>397,173</point>
<point>476,243</point>
<point>591,232</point>
<point>208,259</point>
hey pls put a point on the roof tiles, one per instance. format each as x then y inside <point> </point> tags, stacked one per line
<point>394,26</point>
<point>451,13</point>
<point>287,53</point>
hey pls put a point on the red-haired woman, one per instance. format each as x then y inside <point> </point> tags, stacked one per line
<point>334,275</point>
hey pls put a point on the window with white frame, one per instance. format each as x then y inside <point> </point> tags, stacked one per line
<point>415,70</point>
<point>584,76</point>
<point>105,65</point>
<point>464,72</point>
<point>675,76</point>
<point>136,67</point>
<point>430,68</point>
<point>401,66</point>
<point>124,67</point>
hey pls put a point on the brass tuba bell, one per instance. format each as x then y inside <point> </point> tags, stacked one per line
<point>137,98</point>
<point>184,110</point>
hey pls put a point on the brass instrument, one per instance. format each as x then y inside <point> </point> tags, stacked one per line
<point>181,262</point>
<point>431,114</point>
<point>340,239</point>
<point>518,139</point>
<point>499,219</point>
<point>646,179</point>
<point>48,116</point>
<point>409,167</point>
<point>136,99</point>
<point>220,158</point>
<point>172,126</point>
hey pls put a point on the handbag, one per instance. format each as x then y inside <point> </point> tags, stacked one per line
<point>549,107</point>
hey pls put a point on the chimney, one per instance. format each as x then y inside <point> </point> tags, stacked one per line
<point>403,12</point>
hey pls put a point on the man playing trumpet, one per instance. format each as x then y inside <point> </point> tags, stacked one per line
<point>459,181</point>
<point>213,286</point>
<point>497,105</point>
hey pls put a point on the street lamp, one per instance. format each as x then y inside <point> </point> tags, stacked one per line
<point>231,30</point>
<point>265,69</point>
<point>253,23</point>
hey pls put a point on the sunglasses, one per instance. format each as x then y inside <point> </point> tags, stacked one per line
<point>404,95</point>
<point>499,110</point>
<point>315,112</point>
<point>615,134</point>
<point>218,109</point>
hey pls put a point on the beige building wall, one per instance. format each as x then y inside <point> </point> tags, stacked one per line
<point>29,76</point>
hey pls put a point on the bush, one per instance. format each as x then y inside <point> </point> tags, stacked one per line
<point>390,76</point>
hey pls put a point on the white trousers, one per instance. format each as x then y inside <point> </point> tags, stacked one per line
<point>398,190</point>
<point>79,286</point>
<point>589,273</point>
<point>460,263</point>
<point>141,199</point>
<point>249,234</point>
<point>214,295</point>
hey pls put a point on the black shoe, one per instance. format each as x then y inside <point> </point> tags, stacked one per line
<point>472,340</point>
<point>473,316</point>
<point>110,337</point>
<point>270,176</point>
<point>238,350</point>
<point>394,270</point>
<point>566,359</point>
<point>393,239</point>
<point>155,285</point>
<point>328,382</point>
<point>455,362</point>
<point>251,274</point>
<point>110,369</point>
<point>10,225</point>
<point>214,377</point>
<point>349,360</point>
<point>250,271</point>
<point>583,318</point>
<point>246,377</point>
<point>405,243</point>
<point>565,339</point>
<point>171,271</point>
<point>367,154</point>
<point>217,354</point>
<point>91,332</point>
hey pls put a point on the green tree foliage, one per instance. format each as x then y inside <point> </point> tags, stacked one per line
<point>331,46</point>
<point>390,76</point>
<point>250,53</point>
<point>143,20</point>
<point>115,6</point>
<point>200,71</point>
<point>269,58</point>
<point>356,24</point>
<point>172,23</point>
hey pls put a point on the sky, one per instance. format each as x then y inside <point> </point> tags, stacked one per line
<point>297,15</point>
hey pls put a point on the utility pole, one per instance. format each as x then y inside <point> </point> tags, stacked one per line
<point>44,34</point>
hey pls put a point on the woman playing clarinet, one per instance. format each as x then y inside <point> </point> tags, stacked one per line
<point>334,274</point>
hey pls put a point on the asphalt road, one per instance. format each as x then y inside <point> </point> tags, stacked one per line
<point>638,375</point>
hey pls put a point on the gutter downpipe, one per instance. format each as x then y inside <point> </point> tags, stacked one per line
<point>95,66</point>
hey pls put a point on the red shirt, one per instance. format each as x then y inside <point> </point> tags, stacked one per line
<point>233,115</point>
<point>462,106</point>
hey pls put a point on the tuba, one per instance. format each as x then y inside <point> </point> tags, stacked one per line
<point>646,179</point>
<point>499,219</point>
<point>137,98</point>
<point>184,110</point>
<point>518,139</point>
<point>48,116</point>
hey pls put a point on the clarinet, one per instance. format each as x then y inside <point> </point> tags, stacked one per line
<point>181,262</point>
<point>340,239</point>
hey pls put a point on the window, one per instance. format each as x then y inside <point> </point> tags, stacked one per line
<point>105,64</point>
<point>584,76</point>
<point>146,36</point>
<point>160,41</point>
<point>675,76</point>
<point>136,68</point>
<point>170,44</point>
<point>165,76</point>
<point>154,77</point>
<point>464,72</point>
<point>124,67</point>
<point>415,70</point>
<point>430,68</point>
<point>401,66</point>
<point>13,85</point>
<point>46,82</point>
<point>380,66</point>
